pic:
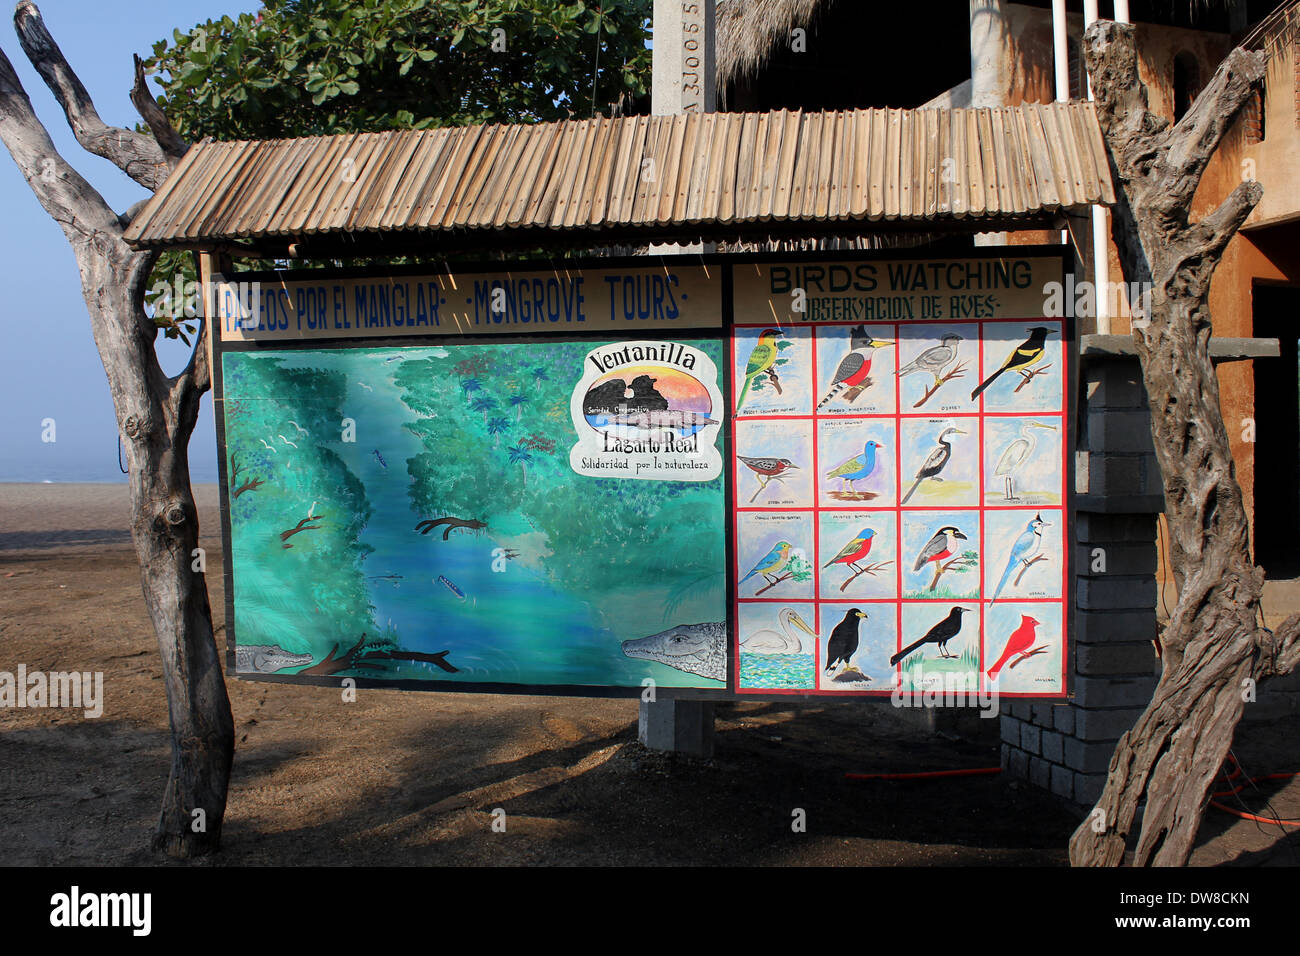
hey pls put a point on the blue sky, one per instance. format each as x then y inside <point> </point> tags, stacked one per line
<point>49,367</point>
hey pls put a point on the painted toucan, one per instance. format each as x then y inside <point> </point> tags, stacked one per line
<point>941,547</point>
<point>857,468</point>
<point>1021,639</point>
<point>940,634</point>
<point>1027,353</point>
<point>1023,551</point>
<point>856,366</point>
<point>771,564</point>
<point>843,643</point>
<point>761,360</point>
<point>935,462</point>
<point>855,551</point>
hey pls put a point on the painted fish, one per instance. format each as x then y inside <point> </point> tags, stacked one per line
<point>695,648</point>
<point>450,586</point>
<point>381,458</point>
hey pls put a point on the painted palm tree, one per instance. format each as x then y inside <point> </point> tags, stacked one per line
<point>495,428</point>
<point>539,376</point>
<point>518,401</point>
<point>519,456</point>
<point>484,404</point>
<point>469,386</point>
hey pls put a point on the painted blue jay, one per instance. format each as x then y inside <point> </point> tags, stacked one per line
<point>1023,551</point>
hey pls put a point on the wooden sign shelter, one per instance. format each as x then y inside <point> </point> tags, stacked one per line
<point>725,475</point>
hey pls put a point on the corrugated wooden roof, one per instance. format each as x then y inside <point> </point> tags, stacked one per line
<point>718,171</point>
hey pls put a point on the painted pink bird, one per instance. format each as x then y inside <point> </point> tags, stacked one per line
<point>1021,640</point>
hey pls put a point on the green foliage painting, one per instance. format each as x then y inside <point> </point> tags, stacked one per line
<point>410,514</point>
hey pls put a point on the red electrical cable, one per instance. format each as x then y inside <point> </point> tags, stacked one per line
<point>1236,772</point>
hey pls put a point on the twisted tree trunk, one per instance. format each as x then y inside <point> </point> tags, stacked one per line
<point>156,415</point>
<point>1215,644</point>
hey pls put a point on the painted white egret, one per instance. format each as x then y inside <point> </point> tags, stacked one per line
<point>1015,455</point>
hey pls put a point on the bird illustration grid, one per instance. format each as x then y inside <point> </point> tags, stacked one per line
<point>901,507</point>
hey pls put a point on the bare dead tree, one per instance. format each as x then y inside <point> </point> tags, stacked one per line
<point>155,413</point>
<point>1215,642</point>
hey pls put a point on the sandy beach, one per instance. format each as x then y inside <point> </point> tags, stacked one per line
<point>413,778</point>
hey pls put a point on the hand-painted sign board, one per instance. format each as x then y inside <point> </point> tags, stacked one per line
<point>733,476</point>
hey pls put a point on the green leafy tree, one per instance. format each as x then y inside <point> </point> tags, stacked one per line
<point>316,67</point>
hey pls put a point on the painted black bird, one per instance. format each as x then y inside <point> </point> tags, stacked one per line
<point>940,634</point>
<point>844,639</point>
<point>935,462</point>
<point>1027,353</point>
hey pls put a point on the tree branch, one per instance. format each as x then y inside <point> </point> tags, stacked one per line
<point>1196,136</point>
<point>170,141</point>
<point>1213,233</point>
<point>71,201</point>
<point>1143,146</point>
<point>139,156</point>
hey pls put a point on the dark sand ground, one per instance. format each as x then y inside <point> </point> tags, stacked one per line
<point>412,778</point>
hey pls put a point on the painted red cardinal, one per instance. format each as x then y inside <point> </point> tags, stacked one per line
<point>1021,640</point>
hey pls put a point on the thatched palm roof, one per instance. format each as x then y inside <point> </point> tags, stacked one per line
<point>748,31</point>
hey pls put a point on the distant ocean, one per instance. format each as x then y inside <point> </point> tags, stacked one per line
<point>203,468</point>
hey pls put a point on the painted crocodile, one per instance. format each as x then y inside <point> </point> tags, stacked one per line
<point>695,648</point>
<point>267,658</point>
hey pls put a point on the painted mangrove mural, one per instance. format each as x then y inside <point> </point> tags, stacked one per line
<point>413,514</point>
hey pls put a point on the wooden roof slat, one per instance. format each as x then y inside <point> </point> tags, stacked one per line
<point>976,176</point>
<point>726,204</point>
<point>441,189</point>
<point>364,158</point>
<point>946,163</point>
<point>1031,183</point>
<point>898,145</point>
<point>261,166</point>
<point>678,199</point>
<point>825,165</point>
<point>322,176</point>
<point>961,183</point>
<point>414,179</point>
<point>208,183</point>
<point>166,196</point>
<point>993,157</point>
<point>747,150</point>
<point>933,166</point>
<point>877,164</point>
<point>1073,171</point>
<point>1044,145</point>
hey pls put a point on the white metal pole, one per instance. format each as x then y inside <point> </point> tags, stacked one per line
<point>1121,11</point>
<point>1100,244</point>
<point>1061,46</point>
<point>1061,60</point>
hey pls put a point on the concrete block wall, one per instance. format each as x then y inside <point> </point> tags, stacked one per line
<point>1066,748</point>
